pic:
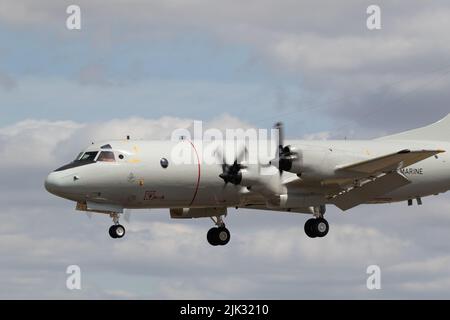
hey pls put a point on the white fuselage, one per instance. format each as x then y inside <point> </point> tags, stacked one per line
<point>136,178</point>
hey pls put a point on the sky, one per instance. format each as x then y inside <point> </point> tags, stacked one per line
<point>146,68</point>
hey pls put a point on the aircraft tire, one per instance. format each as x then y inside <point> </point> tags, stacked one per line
<point>218,236</point>
<point>112,233</point>
<point>117,231</point>
<point>310,228</point>
<point>212,236</point>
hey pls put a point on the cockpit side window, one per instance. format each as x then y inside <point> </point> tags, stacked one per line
<point>106,156</point>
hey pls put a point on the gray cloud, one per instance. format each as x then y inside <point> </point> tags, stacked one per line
<point>353,75</point>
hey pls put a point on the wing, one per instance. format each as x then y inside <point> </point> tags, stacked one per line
<point>381,177</point>
<point>375,187</point>
<point>393,161</point>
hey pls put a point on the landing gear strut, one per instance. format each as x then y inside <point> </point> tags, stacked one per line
<point>116,231</point>
<point>220,235</point>
<point>318,226</point>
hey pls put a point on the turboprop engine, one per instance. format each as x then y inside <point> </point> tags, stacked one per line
<point>305,161</point>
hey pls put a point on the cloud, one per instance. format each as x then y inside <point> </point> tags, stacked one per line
<point>352,76</point>
<point>32,143</point>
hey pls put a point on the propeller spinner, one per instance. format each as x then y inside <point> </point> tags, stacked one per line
<point>232,173</point>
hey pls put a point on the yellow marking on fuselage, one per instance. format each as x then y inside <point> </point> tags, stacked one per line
<point>134,160</point>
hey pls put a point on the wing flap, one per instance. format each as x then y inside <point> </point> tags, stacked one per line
<point>393,161</point>
<point>358,195</point>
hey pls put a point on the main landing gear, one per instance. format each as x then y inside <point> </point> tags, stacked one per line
<point>117,230</point>
<point>317,227</point>
<point>218,236</point>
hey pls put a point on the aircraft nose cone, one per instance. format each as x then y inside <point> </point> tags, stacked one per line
<point>52,183</point>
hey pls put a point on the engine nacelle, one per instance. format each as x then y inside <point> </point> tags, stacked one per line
<point>189,213</point>
<point>292,161</point>
<point>311,162</point>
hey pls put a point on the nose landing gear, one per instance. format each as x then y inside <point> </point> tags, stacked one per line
<point>117,230</point>
<point>220,235</point>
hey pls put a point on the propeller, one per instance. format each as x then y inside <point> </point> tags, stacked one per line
<point>232,173</point>
<point>285,155</point>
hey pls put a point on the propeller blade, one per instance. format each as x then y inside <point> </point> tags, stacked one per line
<point>242,155</point>
<point>280,127</point>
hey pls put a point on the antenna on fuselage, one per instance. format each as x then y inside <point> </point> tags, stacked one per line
<point>128,137</point>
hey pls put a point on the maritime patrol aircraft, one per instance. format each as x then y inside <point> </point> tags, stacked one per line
<point>301,177</point>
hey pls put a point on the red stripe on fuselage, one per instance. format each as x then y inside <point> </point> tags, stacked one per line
<point>198,174</point>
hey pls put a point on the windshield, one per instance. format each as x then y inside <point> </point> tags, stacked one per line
<point>82,159</point>
<point>79,156</point>
<point>88,156</point>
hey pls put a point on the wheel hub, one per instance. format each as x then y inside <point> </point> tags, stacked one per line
<point>321,227</point>
<point>223,236</point>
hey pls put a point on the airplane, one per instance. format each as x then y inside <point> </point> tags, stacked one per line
<point>302,177</point>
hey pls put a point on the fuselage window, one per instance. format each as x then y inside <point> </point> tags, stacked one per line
<point>164,163</point>
<point>106,156</point>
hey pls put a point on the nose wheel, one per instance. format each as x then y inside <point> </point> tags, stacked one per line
<point>220,235</point>
<point>117,230</point>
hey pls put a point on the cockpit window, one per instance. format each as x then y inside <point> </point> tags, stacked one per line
<point>106,156</point>
<point>82,159</point>
<point>89,156</point>
<point>79,156</point>
<point>106,146</point>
